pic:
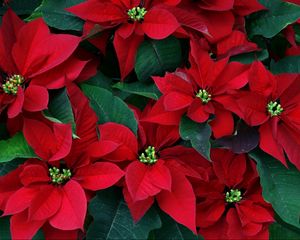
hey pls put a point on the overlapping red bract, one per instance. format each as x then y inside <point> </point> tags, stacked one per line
<point>186,186</point>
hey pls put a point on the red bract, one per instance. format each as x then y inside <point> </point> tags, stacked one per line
<point>32,61</point>
<point>154,170</point>
<point>54,193</point>
<point>230,203</point>
<point>218,16</point>
<point>236,43</point>
<point>276,110</point>
<point>133,19</point>
<point>202,91</point>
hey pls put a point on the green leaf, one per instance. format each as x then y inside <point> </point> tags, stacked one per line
<point>15,147</point>
<point>9,166</point>
<point>199,135</point>
<point>289,64</point>
<point>21,7</point>
<point>270,22</point>
<point>148,90</point>
<point>279,232</point>
<point>155,57</point>
<point>109,108</point>
<point>60,108</point>
<point>172,230</point>
<point>5,231</point>
<point>280,187</point>
<point>248,58</point>
<point>56,16</point>
<point>112,219</point>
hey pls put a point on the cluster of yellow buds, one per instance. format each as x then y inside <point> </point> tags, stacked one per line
<point>12,83</point>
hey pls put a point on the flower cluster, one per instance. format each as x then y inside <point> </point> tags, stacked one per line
<point>170,101</point>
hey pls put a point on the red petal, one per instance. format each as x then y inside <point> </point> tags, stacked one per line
<point>98,175</point>
<point>45,204</point>
<point>190,19</point>
<point>19,201</point>
<point>234,225</point>
<point>36,98</point>
<point>9,184</point>
<point>180,202</point>
<point>236,43</point>
<point>40,137</point>
<point>144,181</point>
<point>22,228</point>
<point>159,23</point>
<point>223,124</point>
<point>73,208</point>
<point>177,81</point>
<point>16,107</point>
<point>32,174</point>
<point>289,140</point>
<point>63,135</point>
<point>197,111</point>
<point>219,24</point>
<point>99,12</point>
<point>261,80</point>
<point>174,101</point>
<point>126,50</point>
<point>37,50</point>
<point>251,212</point>
<point>11,25</point>
<point>120,134</point>
<point>102,148</point>
<point>159,115</point>
<point>229,168</point>
<point>216,5</point>
<point>269,143</point>
<point>60,75</point>
<point>139,208</point>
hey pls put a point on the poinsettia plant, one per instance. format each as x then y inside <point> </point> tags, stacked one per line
<point>149,119</point>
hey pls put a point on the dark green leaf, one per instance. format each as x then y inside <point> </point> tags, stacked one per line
<point>248,58</point>
<point>60,108</point>
<point>155,57</point>
<point>9,166</point>
<point>270,22</point>
<point>280,232</point>
<point>109,108</point>
<point>148,90</point>
<point>56,16</point>
<point>21,7</point>
<point>4,229</point>
<point>112,219</point>
<point>15,147</point>
<point>280,187</point>
<point>172,230</point>
<point>289,64</point>
<point>199,135</point>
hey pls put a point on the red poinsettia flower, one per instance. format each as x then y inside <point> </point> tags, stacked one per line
<point>134,18</point>
<point>202,91</point>
<point>230,204</point>
<point>55,191</point>
<point>276,110</point>
<point>32,61</point>
<point>154,169</point>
